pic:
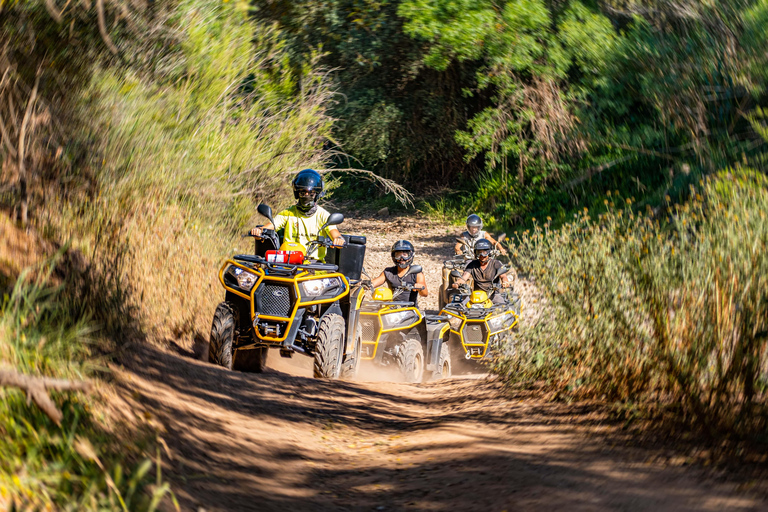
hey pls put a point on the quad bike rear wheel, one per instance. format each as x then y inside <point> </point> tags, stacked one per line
<point>222,336</point>
<point>444,367</point>
<point>251,360</point>
<point>350,371</point>
<point>329,349</point>
<point>410,360</point>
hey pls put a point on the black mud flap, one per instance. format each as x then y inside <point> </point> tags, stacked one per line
<point>433,353</point>
<point>288,343</point>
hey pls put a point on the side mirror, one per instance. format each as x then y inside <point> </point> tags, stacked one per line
<point>502,237</point>
<point>456,274</point>
<point>503,270</point>
<point>415,269</point>
<point>462,241</point>
<point>266,211</point>
<point>333,220</point>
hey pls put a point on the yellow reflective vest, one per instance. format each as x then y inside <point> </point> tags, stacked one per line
<point>302,229</point>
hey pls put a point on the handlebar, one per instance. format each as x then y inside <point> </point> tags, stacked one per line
<point>282,266</point>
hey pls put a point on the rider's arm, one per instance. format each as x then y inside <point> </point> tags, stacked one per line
<point>280,220</point>
<point>378,281</point>
<point>495,243</point>
<point>257,231</point>
<point>458,248</point>
<point>421,285</point>
<point>504,280</point>
<point>336,236</point>
<point>463,279</point>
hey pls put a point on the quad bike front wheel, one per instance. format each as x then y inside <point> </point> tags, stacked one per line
<point>222,336</point>
<point>329,349</point>
<point>251,360</point>
<point>410,360</point>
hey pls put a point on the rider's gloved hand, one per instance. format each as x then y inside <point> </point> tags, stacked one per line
<point>256,231</point>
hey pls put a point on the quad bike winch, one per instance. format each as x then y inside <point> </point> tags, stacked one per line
<point>397,333</point>
<point>285,299</point>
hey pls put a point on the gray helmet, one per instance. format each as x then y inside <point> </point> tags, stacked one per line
<point>475,221</point>
<point>404,246</point>
<point>482,245</point>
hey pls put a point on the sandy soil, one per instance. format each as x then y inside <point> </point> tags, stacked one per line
<point>284,441</point>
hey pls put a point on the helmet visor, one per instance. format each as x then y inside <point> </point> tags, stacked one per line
<point>401,255</point>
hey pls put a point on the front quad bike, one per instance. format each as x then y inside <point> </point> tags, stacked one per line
<point>283,300</point>
<point>454,268</point>
<point>476,322</point>
<point>395,333</point>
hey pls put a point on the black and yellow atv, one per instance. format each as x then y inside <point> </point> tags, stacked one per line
<point>477,323</point>
<point>454,268</point>
<point>285,299</point>
<point>397,333</point>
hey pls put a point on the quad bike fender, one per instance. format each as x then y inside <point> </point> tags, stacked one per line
<point>436,334</point>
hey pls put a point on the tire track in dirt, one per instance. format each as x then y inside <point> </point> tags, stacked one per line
<point>285,441</point>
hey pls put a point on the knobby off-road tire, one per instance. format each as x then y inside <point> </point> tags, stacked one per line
<point>222,336</point>
<point>330,347</point>
<point>444,366</point>
<point>350,372</point>
<point>251,361</point>
<point>410,360</point>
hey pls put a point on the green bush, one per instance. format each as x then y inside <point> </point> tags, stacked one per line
<point>80,465</point>
<point>670,308</point>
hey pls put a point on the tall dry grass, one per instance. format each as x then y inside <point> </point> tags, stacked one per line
<point>183,156</point>
<point>664,310</point>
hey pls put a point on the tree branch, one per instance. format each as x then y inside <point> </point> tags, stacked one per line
<point>103,27</point>
<point>37,390</point>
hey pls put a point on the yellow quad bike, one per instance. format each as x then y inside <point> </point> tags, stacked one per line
<point>454,268</point>
<point>287,300</point>
<point>395,333</point>
<point>477,323</point>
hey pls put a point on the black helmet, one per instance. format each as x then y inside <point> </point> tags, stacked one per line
<point>311,181</point>
<point>403,245</point>
<point>482,245</point>
<point>474,221</point>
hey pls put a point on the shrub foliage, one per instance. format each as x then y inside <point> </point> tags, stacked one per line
<point>657,307</point>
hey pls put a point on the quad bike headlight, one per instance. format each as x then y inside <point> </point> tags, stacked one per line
<point>319,287</point>
<point>244,278</point>
<point>498,323</point>
<point>392,320</point>
<point>455,323</point>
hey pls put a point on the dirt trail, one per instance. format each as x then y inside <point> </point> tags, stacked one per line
<point>284,441</point>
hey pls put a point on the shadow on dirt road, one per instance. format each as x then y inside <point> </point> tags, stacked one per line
<point>284,442</point>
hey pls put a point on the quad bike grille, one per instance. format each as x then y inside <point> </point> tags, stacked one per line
<point>276,300</point>
<point>474,333</point>
<point>370,327</point>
